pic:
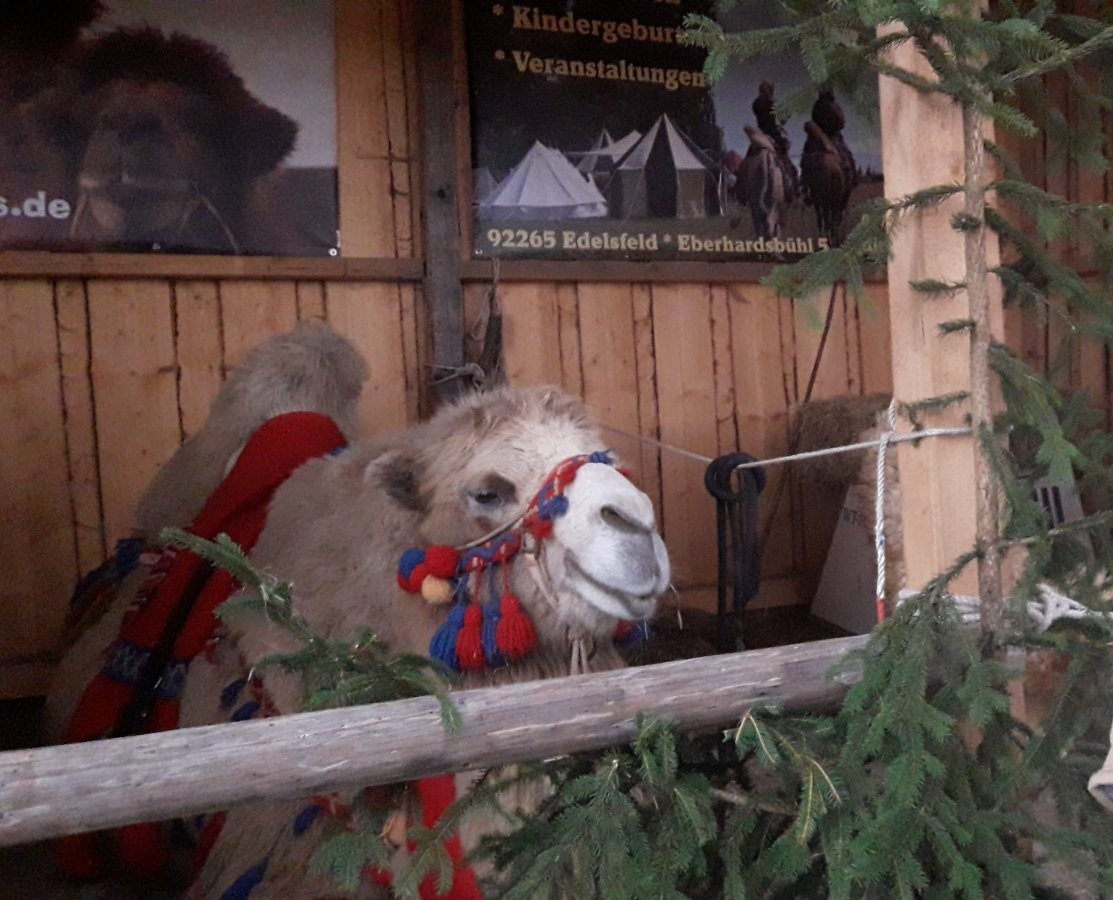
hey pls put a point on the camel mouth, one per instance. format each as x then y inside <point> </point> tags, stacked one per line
<point>634,607</point>
<point>128,185</point>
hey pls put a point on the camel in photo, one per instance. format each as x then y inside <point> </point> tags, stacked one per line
<point>498,537</point>
<point>826,183</point>
<point>828,170</point>
<point>763,186</point>
<point>767,178</point>
<point>177,152</point>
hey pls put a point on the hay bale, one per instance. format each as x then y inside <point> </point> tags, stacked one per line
<point>836,422</point>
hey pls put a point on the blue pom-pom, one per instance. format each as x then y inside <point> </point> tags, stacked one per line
<point>242,887</point>
<point>231,693</point>
<point>601,456</point>
<point>636,635</point>
<point>558,506</point>
<point>410,560</point>
<point>245,712</point>
<point>305,819</point>
<point>443,644</point>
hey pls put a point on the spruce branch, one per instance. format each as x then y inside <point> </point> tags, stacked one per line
<point>333,672</point>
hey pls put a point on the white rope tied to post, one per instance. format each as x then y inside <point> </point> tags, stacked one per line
<point>879,508</point>
<point>1042,612</point>
<point>890,438</point>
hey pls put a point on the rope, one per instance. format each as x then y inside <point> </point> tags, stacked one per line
<point>809,454</point>
<point>1049,608</point>
<point>879,509</point>
<point>861,445</point>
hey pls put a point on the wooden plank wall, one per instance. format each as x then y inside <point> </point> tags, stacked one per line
<point>1048,339</point>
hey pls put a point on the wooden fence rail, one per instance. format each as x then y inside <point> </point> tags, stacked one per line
<point>50,791</point>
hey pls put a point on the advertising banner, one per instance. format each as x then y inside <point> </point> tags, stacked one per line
<point>158,125</point>
<point>595,134</point>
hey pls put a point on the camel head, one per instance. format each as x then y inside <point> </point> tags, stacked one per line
<point>526,470</point>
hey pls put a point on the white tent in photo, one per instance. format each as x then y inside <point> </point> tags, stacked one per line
<point>544,185</point>
<point>483,183</point>
<point>599,161</point>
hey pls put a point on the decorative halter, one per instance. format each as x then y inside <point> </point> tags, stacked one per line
<point>493,632</point>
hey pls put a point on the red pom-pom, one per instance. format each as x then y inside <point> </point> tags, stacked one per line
<point>441,561</point>
<point>623,630</point>
<point>514,636</point>
<point>469,644</point>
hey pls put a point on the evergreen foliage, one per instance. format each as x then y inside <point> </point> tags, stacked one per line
<point>333,672</point>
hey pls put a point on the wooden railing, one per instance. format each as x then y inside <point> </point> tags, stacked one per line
<point>51,791</point>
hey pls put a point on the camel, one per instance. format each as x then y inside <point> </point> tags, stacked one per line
<point>763,185</point>
<point>823,175</point>
<point>473,467</point>
<point>828,170</point>
<point>767,178</point>
<point>520,469</point>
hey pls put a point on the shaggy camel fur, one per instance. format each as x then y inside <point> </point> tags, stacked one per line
<point>311,368</point>
<point>339,525</point>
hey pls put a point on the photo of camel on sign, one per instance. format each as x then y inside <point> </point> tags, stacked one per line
<point>596,135</point>
<point>156,125</point>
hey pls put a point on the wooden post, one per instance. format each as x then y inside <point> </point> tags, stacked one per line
<point>923,146</point>
<point>443,292</point>
<point>85,787</point>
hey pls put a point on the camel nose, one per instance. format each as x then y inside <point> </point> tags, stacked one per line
<point>623,520</point>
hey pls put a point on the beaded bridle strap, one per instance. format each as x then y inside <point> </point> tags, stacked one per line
<point>493,632</point>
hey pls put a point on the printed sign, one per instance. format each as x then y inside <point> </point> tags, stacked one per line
<point>157,125</point>
<point>595,134</point>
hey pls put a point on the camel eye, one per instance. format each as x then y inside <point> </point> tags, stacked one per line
<point>491,495</point>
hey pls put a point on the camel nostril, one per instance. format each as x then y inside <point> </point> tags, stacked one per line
<point>619,521</point>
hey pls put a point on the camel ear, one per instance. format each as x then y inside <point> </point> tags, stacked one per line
<point>266,137</point>
<point>400,474</point>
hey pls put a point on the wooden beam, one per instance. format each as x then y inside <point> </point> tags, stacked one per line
<point>937,476</point>
<point>443,291</point>
<point>36,263</point>
<point>51,791</point>
<point>635,271</point>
